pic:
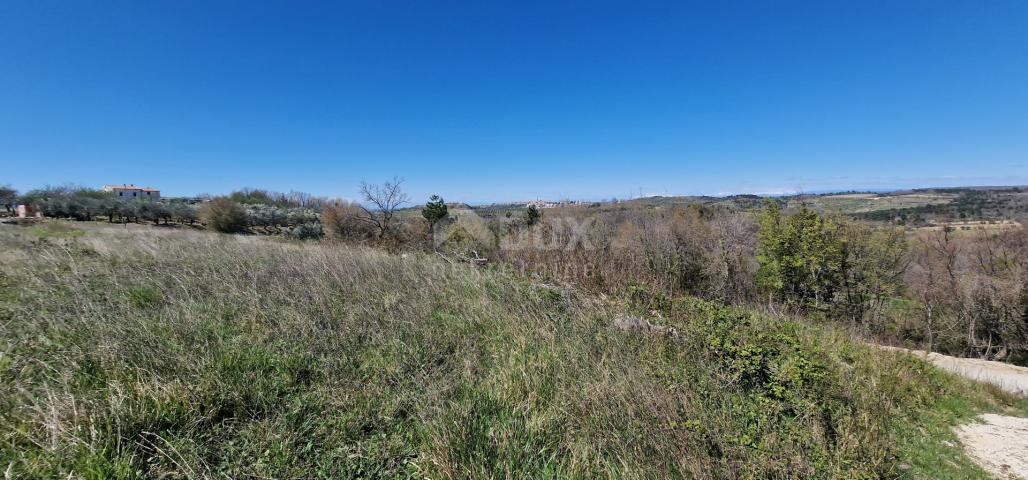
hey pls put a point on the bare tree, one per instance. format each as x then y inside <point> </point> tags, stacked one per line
<point>924,281</point>
<point>384,200</point>
<point>303,199</point>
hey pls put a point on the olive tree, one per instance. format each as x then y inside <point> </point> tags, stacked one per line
<point>8,197</point>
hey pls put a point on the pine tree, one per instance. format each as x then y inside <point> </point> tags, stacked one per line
<point>532,215</point>
<point>435,210</point>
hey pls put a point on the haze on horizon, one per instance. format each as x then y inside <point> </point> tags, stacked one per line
<point>487,102</point>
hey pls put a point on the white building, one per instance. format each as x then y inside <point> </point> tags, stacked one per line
<point>541,204</point>
<point>133,192</point>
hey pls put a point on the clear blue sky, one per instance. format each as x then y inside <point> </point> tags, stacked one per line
<point>482,101</point>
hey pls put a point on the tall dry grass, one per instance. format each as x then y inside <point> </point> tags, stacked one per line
<point>147,353</point>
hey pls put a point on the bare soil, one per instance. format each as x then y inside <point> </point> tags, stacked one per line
<point>999,444</point>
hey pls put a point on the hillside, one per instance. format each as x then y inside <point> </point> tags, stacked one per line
<point>136,352</point>
<point>918,207</point>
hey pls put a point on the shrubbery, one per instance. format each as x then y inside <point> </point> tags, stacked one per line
<point>304,231</point>
<point>959,293</point>
<point>341,221</point>
<point>223,215</point>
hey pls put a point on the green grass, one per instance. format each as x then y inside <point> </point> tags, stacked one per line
<point>926,439</point>
<point>55,229</point>
<point>143,353</point>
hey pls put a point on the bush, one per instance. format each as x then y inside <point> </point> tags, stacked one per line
<point>306,231</point>
<point>343,221</point>
<point>223,215</point>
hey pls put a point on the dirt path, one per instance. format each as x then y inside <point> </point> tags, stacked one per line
<point>999,444</point>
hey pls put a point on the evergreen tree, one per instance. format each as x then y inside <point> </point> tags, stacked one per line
<point>435,210</point>
<point>533,215</point>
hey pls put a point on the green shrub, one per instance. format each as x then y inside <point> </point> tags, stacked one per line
<point>223,215</point>
<point>305,231</point>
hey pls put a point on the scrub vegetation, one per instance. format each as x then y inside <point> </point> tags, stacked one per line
<point>134,352</point>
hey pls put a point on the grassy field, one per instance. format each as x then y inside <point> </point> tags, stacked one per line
<point>148,353</point>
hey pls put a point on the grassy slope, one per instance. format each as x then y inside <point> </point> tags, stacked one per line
<point>137,353</point>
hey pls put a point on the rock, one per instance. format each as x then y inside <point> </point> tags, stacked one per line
<point>642,325</point>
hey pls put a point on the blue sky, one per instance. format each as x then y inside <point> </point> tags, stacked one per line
<point>482,101</point>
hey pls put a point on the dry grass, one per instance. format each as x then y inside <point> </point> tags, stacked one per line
<point>132,353</point>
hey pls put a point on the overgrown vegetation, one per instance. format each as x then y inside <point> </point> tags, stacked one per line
<point>144,353</point>
<point>958,290</point>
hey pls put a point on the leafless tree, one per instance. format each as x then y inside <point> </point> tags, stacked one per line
<point>382,202</point>
<point>971,289</point>
<point>305,200</point>
<point>924,281</point>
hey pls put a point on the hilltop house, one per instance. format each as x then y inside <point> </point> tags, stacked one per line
<point>130,191</point>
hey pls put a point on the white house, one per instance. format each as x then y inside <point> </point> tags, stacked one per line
<point>133,192</point>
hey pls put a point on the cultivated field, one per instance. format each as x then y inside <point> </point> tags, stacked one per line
<point>864,202</point>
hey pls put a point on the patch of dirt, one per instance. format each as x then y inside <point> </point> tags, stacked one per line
<point>999,445</point>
